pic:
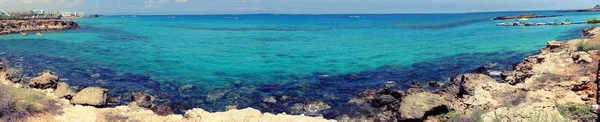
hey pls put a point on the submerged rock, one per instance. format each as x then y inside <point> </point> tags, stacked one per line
<point>163,110</point>
<point>44,81</point>
<point>310,107</point>
<point>142,99</point>
<point>94,96</point>
<point>481,70</point>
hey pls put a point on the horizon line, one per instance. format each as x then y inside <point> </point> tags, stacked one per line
<point>150,14</point>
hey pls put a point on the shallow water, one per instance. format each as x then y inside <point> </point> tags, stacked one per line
<point>243,58</point>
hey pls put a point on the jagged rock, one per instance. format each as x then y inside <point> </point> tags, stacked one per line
<point>434,84</point>
<point>387,116</point>
<point>456,78</point>
<point>270,99</point>
<point>514,77</point>
<point>231,107</point>
<point>552,47</point>
<point>163,110</point>
<point>414,106</point>
<point>94,96</point>
<point>14,78</point>
<point>390,84</point>
<point>44,81</point>
<point>309,107</point>
<point>581,57</point>
<point>383,100</point>
<point>142,99</point>
<point>216,94</point>
<point>594,52</point>
<point>481,70</point>
<point>416,84</point>
<point>63,91</point>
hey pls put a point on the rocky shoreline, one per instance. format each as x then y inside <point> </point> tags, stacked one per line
<point>18,26</point>
<point>594,9</point>
<point>554,85</point>
<point>523,16</point>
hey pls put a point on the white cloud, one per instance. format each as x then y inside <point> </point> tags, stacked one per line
<point>149,4</point>
<point>163,1</point>
<point>180,1</point>
<point>35,1</point>
<point>70,4</point>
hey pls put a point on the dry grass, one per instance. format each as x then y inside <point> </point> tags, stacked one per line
<point>18,103</point>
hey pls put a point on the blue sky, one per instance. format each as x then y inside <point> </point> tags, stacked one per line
<point>292,6</point>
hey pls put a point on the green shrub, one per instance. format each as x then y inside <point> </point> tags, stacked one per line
<point>476,116</point>
<point>549,77</point>
<point>587,46</point>
<point>575,112</point>
<point>17,103</point>
<point>453,116</point>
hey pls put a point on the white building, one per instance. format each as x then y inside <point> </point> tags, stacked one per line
<point>66,14</point>
<point>38,12</point>
<point>78,14</point>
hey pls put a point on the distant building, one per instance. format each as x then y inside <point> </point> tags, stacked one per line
<point>78,14</point>
<point>38,12</point>
<point>66,14</point>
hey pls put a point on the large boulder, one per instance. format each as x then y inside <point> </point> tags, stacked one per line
<point>94,96</point>
<point>415,106</point>
<point>44,81</point>
<point>63,91</point>
<point>581,57</point>
<point>142,99</point>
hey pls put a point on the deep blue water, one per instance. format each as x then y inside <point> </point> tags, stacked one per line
<point>241,59</point>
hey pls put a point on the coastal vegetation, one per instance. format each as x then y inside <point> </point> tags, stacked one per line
<point>587,46</point>
<point>549,77</point>
<point>578,112</point>
<point>17,103</point>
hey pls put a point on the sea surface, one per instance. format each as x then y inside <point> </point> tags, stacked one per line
<point>211,61</point>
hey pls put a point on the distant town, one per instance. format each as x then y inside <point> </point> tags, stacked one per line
<point>40,14</point>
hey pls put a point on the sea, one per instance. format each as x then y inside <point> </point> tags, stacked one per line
<point>212,61</point>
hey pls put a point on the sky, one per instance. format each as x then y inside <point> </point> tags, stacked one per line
<point>291,6</point>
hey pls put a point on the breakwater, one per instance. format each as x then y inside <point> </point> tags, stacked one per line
<point>17,26</point>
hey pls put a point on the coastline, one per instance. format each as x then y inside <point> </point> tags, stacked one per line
<point>17,26</point>
<point>554,57</point>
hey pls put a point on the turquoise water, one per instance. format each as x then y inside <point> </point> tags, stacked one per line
<point>220,51</point>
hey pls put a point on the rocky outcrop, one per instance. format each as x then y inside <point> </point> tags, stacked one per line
<point>561,74</point>
<point>594,9</point>
<point>481,70</point>
<point>415,106</point>
<point>163,110</point>
<point>44,81</point>
<point>17,26</point>
<point>142,99</point>
<point>524,16</point>
<point>94,96</point>
<point>64,91</point>
<point>309,107</point>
